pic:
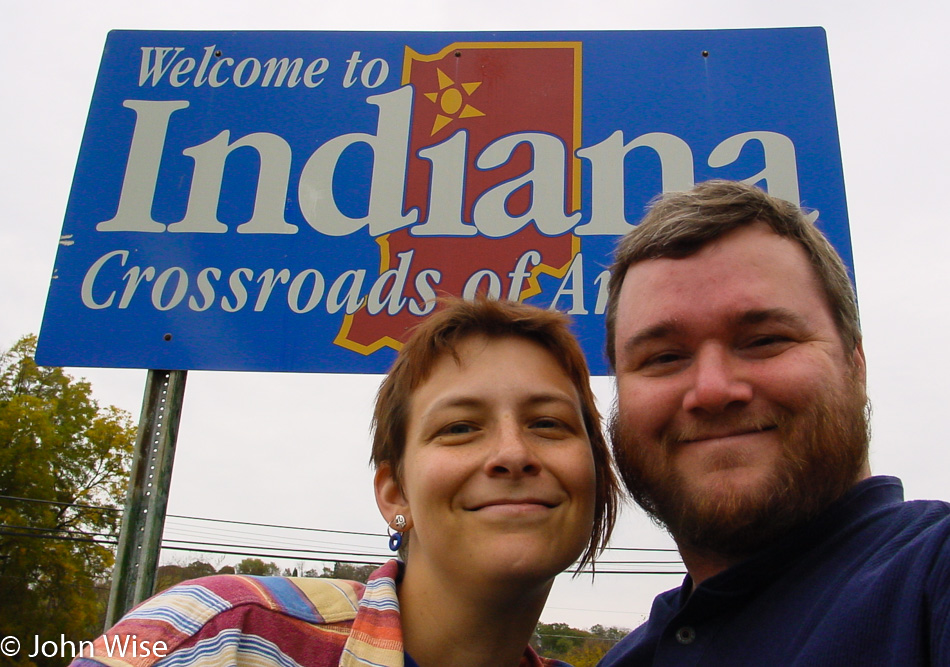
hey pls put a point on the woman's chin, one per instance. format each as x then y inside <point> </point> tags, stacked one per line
<point>521,561</point>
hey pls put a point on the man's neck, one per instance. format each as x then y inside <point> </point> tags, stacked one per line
<point>701,564</point>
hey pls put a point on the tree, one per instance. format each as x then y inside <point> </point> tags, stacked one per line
<point>171,574</point>
<point>257,567</point>
<point>64,465</point>
<point>581,648</point>
<point>613,633</point>
<point>348,571</point>
<point>174,573</point>
<point>555,640</point>
<point>588,653</point>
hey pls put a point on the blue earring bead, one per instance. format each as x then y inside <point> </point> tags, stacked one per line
<point>395,538</point>
<point>395,541</point>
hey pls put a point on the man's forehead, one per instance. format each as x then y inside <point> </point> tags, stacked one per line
<point>743,245</point>
<point>749,269</point>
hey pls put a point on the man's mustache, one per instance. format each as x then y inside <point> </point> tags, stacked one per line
<point>722,426</point>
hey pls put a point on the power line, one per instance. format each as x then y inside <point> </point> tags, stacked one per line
<point>245,546</point>
<point>188,531</point>
<point>301,553</point>
<point>59,502</point>
<point>58,537</point>
<point>53,533</point>
<point>272,525</point>
<point>59,530</point>
<point>319,530</point>
<point>195,518</point>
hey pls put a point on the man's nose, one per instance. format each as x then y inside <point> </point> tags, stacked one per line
<point>718,381</point>
<point>512,453</point>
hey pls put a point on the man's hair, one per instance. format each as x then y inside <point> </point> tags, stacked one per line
<point>679,224</point>
<point>441,334</point>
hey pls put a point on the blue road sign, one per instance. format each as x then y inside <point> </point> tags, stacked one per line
<point>294,201</point>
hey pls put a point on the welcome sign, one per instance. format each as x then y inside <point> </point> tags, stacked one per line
<point>296,201</point>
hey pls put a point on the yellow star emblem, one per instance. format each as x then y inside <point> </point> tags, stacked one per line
<point>451,100</point>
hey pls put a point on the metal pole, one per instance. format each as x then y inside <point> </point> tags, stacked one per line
<point>140,540</point>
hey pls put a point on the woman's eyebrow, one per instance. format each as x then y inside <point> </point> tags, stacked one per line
<point>460,401</point>
<point>464,401</point>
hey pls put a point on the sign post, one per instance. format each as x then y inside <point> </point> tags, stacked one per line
<point>140,540</point>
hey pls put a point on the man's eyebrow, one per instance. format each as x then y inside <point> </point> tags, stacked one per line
<point>780,315</point>
<point>658,331</point>
<point>672,327</point>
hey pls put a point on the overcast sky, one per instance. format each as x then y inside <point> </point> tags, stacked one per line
<point>292,449</point>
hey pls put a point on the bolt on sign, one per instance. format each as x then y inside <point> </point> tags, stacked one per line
<point>296,201</point>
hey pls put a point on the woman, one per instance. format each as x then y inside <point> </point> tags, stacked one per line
<point>493,475</point>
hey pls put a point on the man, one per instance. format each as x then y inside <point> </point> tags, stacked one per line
<point>742,428</point>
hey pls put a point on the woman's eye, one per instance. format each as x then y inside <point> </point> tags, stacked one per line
<point>552,427</point>
<point>458,428</point>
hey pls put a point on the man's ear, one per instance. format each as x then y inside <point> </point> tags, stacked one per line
<point>389,497</point>
<point>860,365</point>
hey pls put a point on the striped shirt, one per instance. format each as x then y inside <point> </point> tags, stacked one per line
<point>229,620</point>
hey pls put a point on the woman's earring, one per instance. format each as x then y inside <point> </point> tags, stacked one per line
<point>395,538</point>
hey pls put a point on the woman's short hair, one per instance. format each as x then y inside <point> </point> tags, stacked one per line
<point>440,334</point>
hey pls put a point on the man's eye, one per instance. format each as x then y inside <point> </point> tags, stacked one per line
<point>769,344</point>
<point>765,340</point>
<point>659,364</point>
<point>663,359</point>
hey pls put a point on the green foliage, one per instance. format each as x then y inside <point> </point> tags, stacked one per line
<point>169,575</point>
<point>348,571</point>
<point>612,633</point>
<point>56,444</point>
<point>556,639</point>
<point>257,567</point>
<point>581,648</point>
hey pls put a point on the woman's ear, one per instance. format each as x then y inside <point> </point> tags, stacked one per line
<point>389,497</point>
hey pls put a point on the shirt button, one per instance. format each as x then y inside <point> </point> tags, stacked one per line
<point>685,635</point>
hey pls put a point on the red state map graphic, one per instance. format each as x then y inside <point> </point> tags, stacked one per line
<point>489,90</point>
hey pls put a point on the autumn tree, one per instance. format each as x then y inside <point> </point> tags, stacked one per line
<point>64,464</point>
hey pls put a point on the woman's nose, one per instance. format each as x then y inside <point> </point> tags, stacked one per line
<point>512,454</point>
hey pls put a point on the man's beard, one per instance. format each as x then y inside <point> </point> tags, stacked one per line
<point>824,449</point>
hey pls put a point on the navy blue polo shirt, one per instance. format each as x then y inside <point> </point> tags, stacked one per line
<point>865,583</point>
